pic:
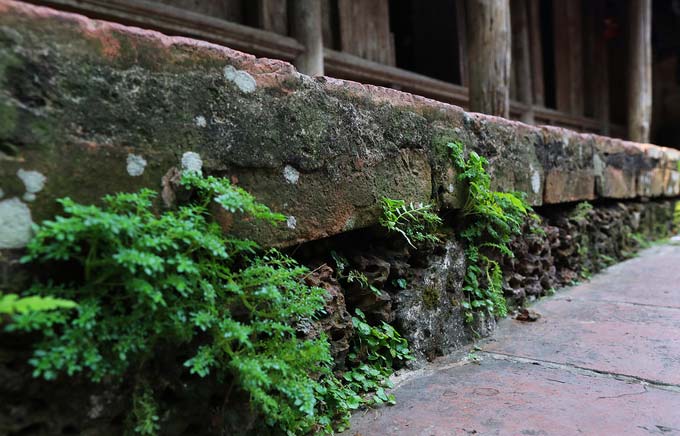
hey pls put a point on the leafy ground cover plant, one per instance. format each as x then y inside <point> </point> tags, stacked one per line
<point>143,279</point>
<point>493,218</point>
<point>374,355</point>
<point>347,275</point>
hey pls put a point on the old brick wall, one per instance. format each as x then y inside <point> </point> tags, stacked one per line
<point>89,107</point>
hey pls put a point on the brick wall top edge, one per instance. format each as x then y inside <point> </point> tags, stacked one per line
<point>260,68</point>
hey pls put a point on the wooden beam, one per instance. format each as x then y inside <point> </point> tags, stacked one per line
<point>174,21</point>
<point>536,52</point>
<point>307,29</point>
<point>521,57</point>
<point>640,71</point>
<point>488,25</point>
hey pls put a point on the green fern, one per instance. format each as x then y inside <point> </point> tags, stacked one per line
<point>493,219</point>
<point>415,222</point>
<point>12,304</point>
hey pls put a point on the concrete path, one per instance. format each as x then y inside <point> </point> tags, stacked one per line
<point>604,359</point>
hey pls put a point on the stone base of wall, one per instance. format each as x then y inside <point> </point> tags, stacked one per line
<point>420,294</point>
<point>569,244</point>
<point>575,241</point>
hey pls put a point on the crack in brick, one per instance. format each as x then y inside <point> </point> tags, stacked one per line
<point>628,303</point>
<point>591,372</point>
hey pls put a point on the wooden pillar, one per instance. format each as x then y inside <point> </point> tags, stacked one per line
<point>365,29</point>
<point>536,52</point>
<point>489,39</point>
<point>568,56</point>
<point>307,29</point>
<point>640,71</point>
<point>462,43</point>
<point>597,65</point>
<point>521,57</point>
<point>272,15</point>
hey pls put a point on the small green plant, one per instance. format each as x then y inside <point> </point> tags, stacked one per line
<point>400,283</point>
<point>144,413</point>
<point>473,357</point>
<point>583,247</point>
<point>581,211</point>
<point>415,222</point>
<point>606,260</point>
<point>142,280</point>
<point>12,304</point>
<point>352,275</point>
<point>640,240</point>
<point>375,353</point>
<point>493,218</point>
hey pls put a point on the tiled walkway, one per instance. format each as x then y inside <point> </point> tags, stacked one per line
<point>603,359</point>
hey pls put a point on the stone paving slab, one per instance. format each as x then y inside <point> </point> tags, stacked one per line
<point>638,341</point>
<point>604,359</point>
<point>501,397</point>
<point>655,273</point>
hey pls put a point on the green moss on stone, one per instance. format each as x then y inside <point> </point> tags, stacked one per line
<point>430,297</point>
<point>8,120</point>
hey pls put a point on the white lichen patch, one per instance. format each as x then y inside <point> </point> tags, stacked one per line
<point>135,165</point>
<point>15,223</point>
<point>96,407</point>
<point>645,184</point>
<point>598,165</point>
<point>349,224</point>
<point>191,161</point>
<point>244,81</point>
<point>34,182</point>
<point>672,187</point>
<point>200,121</point>
<point>451,188</point>
<point>535,180</point>
<point>655,153</point>
<point>291,222</point>
<point>291,174</point>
